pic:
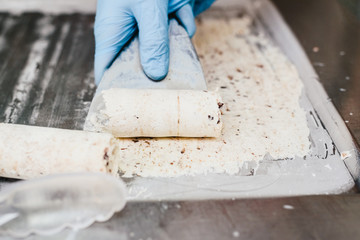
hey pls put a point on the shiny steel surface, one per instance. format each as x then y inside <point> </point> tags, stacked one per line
<point>329,33</point>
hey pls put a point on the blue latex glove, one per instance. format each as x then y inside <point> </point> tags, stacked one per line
<point>118,20</point>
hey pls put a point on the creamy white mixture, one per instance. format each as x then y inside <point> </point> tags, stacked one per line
<point>260,89</point>
<point>157,113</point>
<point>28,151</point>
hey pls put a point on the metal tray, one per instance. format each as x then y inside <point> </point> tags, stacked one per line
<point>322,172</point>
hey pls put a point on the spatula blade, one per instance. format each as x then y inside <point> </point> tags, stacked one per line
<point>185,70</point>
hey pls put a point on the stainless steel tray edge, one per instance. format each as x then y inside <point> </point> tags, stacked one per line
<point>330,117</point>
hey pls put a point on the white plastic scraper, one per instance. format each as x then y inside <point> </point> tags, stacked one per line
<point>47,205</point>
<point>185,70</point>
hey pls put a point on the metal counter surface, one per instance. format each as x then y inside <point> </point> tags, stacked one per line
<point>324,24</point>
<point>335,31</point>
<point>315,217</point>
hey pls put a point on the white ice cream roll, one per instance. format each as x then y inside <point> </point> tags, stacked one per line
<point>158,113</point>
<point>28,151</point>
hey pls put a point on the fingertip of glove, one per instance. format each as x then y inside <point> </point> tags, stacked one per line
<point>156,73</point>
<point>186,17</point>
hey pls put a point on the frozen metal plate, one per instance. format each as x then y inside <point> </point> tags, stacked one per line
<point>322,171</point>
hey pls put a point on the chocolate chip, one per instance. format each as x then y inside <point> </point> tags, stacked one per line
<point>252,171</point>
<point>106,156</point>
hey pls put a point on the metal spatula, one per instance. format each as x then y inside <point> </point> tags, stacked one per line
<point>185,70</point>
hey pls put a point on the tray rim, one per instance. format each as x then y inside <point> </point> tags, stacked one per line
<point>314,90</point>
<point>316,93</point>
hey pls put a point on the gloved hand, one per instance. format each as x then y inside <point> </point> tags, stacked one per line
<point>117,21</point>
